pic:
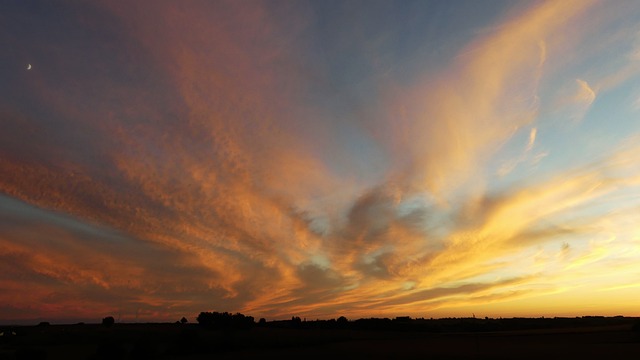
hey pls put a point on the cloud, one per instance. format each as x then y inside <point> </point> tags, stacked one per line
<point>575,100</point>
<point>86,270</point>
<point>461,116</point>
<point>191,165</point>
<point>585,94</point>
<point>526,156</point>
<point>193,146</point>
<point>439,293</point>
<point>532,139</point>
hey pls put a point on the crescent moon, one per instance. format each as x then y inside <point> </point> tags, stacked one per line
<point>28,66</point>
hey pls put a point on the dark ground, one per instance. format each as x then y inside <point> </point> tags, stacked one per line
<point>601,339</point>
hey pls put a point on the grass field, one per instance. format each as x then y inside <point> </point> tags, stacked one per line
<point>190,341</point>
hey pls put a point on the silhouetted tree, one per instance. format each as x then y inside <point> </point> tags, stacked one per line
<point>262,322</point>
<point>296,322</point>
<point>342,322</point>
<point>225,320</point>
<point>108,321</point>
<point>184,320</point>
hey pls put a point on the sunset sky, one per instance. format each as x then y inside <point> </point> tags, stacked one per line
<point>319,158</point>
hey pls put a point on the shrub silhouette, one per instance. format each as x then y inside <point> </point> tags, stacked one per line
<point>108,321</point>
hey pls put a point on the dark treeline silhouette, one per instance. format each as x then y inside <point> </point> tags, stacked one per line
<point>225,320</point>
<point>225,333</point>
<point>445,325</point>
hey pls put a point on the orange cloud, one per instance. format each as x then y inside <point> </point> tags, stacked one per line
<point>216,184</point>
<point>465,114</point>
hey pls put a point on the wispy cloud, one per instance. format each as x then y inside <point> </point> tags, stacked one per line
<point>206,159</point>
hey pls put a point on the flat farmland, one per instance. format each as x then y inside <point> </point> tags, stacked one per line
<point>170,341</point>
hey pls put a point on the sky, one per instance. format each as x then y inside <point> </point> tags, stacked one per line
<point>319,159</point>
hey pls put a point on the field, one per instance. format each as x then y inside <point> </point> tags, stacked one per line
<point>612,340</point>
